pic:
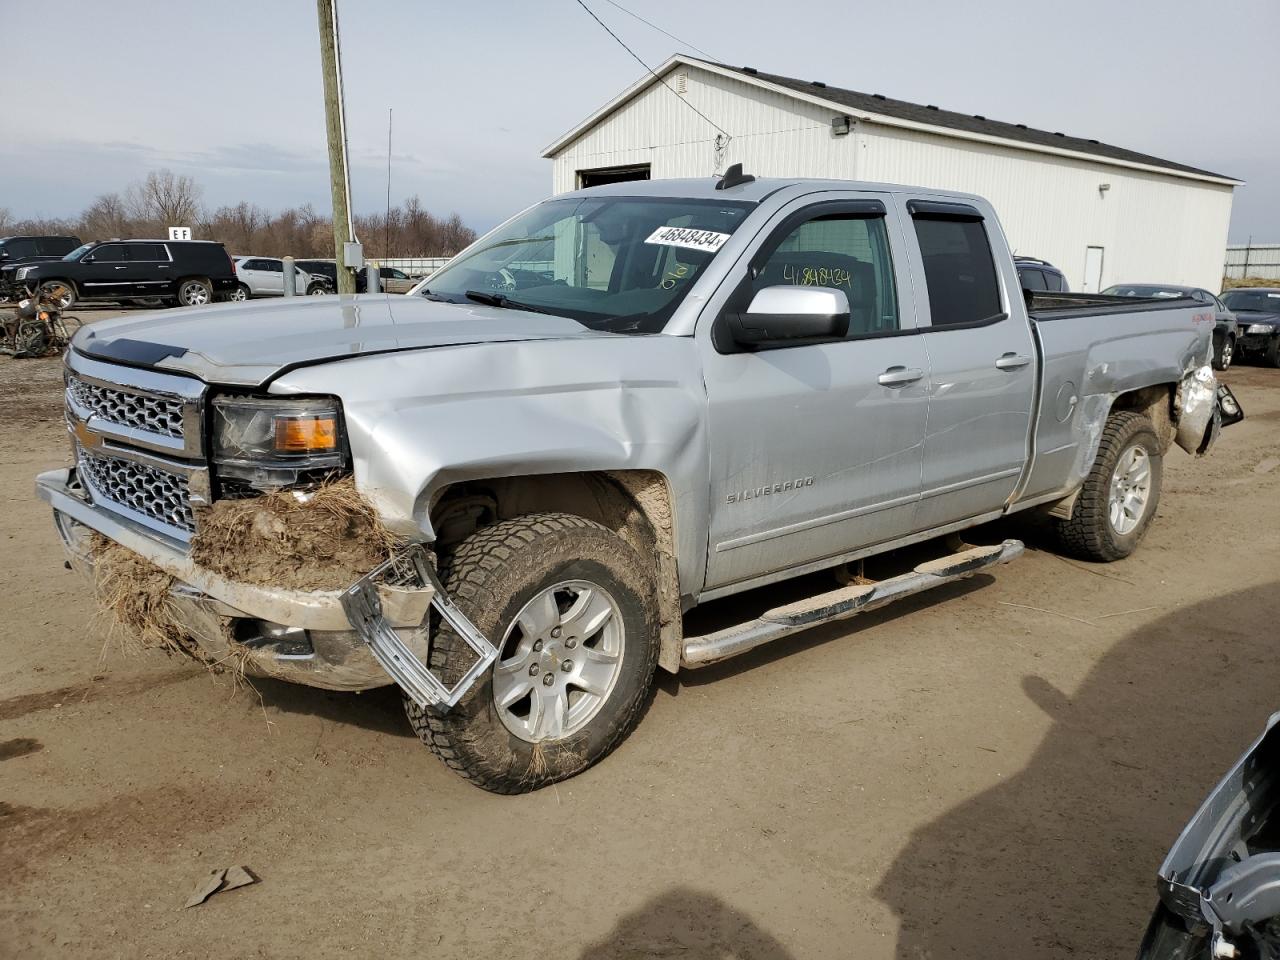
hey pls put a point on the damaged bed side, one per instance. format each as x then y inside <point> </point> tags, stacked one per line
<point>306,586</point>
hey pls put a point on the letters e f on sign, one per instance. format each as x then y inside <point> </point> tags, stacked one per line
<point>707,240</point>
<point>179,233</point>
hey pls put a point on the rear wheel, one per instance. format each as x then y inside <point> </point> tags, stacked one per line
<point>31,339</point>
<point>1273,351</point>
<point>194,293</point>
<point>1120,495</point>
<point>239,294</point>
<point>59,291</point>
<point>574,617</point>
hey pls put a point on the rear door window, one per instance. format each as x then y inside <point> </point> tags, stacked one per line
<point>147,253</point>
<point>1032,279</point>
<point>57,246</point>
<point>959,270</point>
<point>17,249</point>
<point>1054,282</point>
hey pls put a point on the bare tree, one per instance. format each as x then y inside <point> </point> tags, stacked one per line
<point>164,198</point>
<point>106,217</point>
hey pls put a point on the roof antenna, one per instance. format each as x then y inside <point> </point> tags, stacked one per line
<point>734,177</point>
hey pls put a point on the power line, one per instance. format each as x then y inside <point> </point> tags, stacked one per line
<point>637,59</point>
<point>672,36</point>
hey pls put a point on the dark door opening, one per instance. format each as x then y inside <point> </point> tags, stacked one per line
<point>602,175</point>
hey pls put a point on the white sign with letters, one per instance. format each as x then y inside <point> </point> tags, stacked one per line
<point>179,233</point>
<point>708,240</point>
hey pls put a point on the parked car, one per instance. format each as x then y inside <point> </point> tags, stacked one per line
<point>191,272</point>
<point>1219,886</point>
<point>1225,332</point>
<point>1257,310</point>
<point>393,280</point>
<point>709,395</point>
<point>264,277</point>
<point>1038,275</point>
<point>16,251</point>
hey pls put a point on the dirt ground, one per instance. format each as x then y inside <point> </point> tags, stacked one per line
<point>993,770</point>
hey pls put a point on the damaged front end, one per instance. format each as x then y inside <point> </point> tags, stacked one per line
<point>259,553</point>
<point>1219,886</point>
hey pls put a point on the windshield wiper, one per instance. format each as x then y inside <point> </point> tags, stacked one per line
<point>502,300</point>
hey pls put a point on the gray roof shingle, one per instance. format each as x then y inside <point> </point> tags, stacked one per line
<point>969,123</point>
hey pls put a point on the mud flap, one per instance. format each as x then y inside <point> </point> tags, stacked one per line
<point>363,606</point>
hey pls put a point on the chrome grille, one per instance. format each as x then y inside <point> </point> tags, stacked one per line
<point>152,414</point>
<point>143,489</point>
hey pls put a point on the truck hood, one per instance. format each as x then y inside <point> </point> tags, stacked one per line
<point>248,344</point>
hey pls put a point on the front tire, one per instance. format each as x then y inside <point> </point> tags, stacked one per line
<point>1273,351</point>
<point>1121,493</point>
<point>59,291</point>
<point>194,293</point>
<point>575,620</point>
<point>1225,354</point>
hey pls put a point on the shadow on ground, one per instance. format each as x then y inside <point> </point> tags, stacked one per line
<point>691,924</point>
<point>1060,859</point>
<point>380,710</point>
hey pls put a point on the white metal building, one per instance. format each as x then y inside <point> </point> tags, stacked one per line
<point>1101,214</point>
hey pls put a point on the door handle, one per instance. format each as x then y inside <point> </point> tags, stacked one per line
<point>899,376</point>
<point>120,268</point>
<point>1012,361</point>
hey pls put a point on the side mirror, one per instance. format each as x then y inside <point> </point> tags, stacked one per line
<point>787,315</point>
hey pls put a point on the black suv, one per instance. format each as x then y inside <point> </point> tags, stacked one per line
<point>191,272</point>
<point>1040,275</point>
<point>16,251</point>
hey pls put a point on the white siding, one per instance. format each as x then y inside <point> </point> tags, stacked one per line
<point>775,134</point>
<point>1152,227</point>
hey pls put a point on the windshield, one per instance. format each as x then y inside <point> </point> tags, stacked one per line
<point>621,264</point>
<point>1267,301</point>
<point>1145,290</point>
<point>75,254</point>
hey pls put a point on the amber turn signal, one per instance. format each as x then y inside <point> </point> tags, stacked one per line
<point>306,434</point>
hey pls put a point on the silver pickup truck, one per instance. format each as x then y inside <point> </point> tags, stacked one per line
<point>617,405</point>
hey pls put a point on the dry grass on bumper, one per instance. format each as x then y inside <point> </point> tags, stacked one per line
<point>135,592</point>
<point>323,539</point>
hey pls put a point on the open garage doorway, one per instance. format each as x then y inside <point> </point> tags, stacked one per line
<point>603,175</point>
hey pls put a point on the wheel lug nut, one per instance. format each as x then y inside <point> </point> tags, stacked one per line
<point>555,633</point>
<point>533,669</point>
<point>537,645</point>
<point>548,679</point>
<point>571,643</point>
<point>566,665</point>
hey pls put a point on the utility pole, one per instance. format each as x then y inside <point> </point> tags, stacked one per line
<point>336,127</point>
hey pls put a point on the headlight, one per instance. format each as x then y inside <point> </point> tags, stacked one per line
<point>22,273</point>
<point>1260,328</point>
<point>271,441</point>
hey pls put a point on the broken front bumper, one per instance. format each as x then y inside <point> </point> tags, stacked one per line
<point>372,633</point>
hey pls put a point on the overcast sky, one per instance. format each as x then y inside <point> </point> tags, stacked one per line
<point>230,92</point>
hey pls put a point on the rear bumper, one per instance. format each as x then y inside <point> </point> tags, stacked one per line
<point>302,636</point>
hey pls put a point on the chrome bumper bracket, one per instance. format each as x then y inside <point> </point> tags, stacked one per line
<point>364,609</point>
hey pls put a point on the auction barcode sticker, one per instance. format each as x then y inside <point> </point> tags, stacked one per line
<point>685,237</point>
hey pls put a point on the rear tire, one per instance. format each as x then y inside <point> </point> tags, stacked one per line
<point>1273,351</point>
<point>240,294</point>
<point>1116,505</point>
<point>528,584</point>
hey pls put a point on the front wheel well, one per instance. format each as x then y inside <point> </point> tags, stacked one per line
<point>635,504</point>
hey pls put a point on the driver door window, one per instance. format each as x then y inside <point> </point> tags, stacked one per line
<point>847,253</point>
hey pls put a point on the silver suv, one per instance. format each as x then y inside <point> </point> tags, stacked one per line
<point>264,277</point>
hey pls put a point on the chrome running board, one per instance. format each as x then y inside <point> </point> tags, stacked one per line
<point>841,604</point>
